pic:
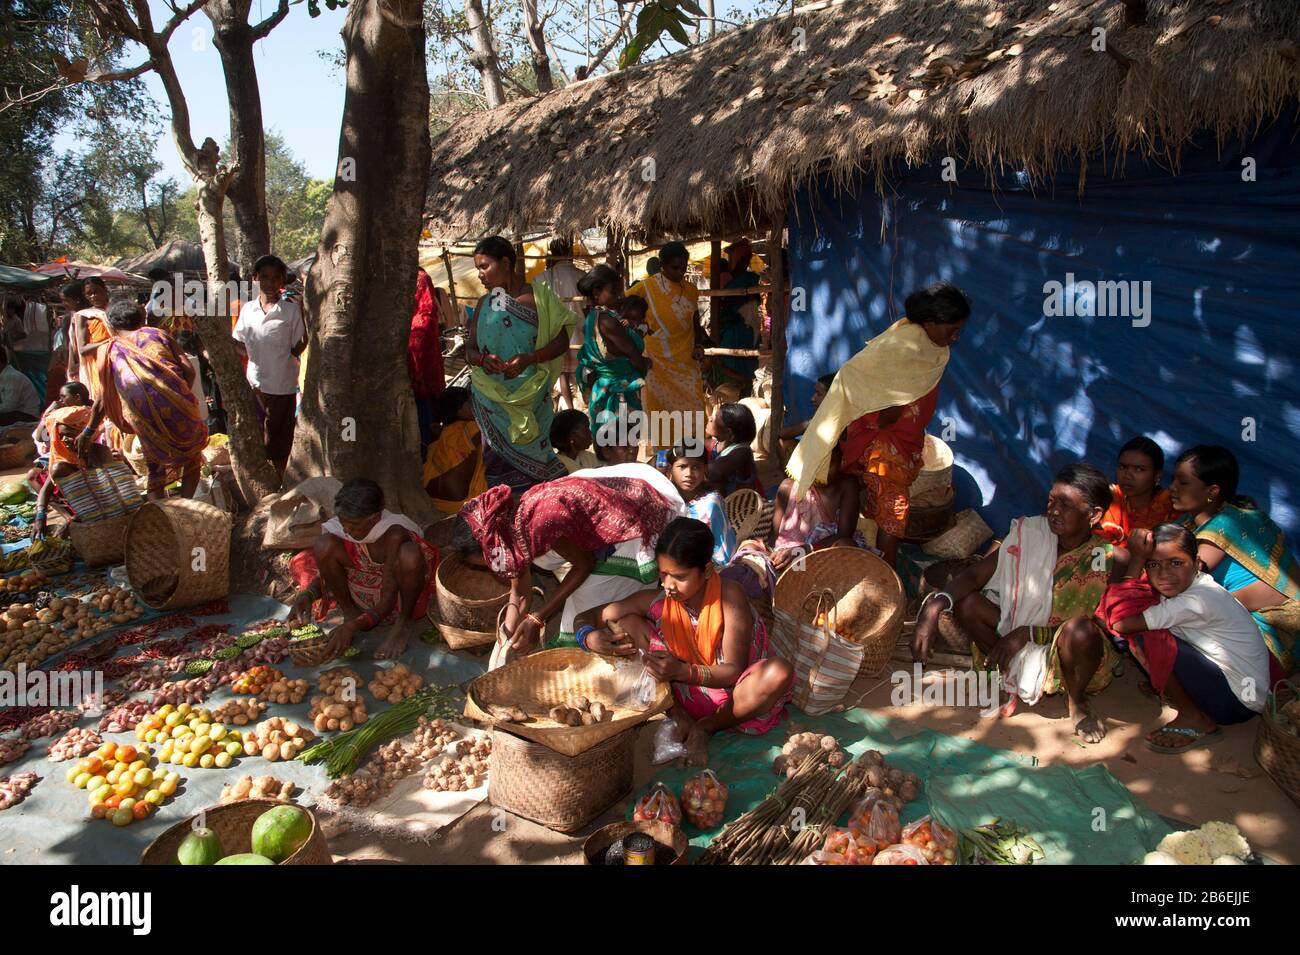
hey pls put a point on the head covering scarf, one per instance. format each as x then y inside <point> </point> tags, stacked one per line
<point>491,516</point>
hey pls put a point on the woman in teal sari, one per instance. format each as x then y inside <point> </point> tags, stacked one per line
<point>518,336</point>
<point>612,363</point>
<point>1240,545</point>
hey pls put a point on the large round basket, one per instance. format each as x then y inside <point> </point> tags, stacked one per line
<point>932,483</point>
<point>1277,750</point>
<point>100,542</point>
<point>662,833</point>
<point>178,553</point>
<point>546,679</point>
<point>233,824</point>
<point>866,594</point>
<point>458,638</point>
<point>559,792</point>
<point>16,449</point>
<point>469,598</point>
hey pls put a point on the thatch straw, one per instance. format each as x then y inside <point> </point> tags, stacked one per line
<point>733,123</point>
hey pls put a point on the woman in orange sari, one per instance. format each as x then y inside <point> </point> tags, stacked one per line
<point>144,388</point>
<point>1137,500</point>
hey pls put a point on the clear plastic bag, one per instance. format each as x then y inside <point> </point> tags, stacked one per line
<point>846,847</point>
<point>635,687</point>
<point>667,746</point>
<point>659,805</point>
<point>933,839</point>
<point>900,855</point>
<point>704,800</point>
<point>884,829</point>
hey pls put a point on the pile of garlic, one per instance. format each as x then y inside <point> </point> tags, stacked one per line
<point>802,745</point>
<point>391,763</point>
<point>467,771</point>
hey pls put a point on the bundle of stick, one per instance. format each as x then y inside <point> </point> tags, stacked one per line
<point>792,822</point>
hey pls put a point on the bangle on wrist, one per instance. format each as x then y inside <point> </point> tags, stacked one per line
<point>939,593</point>
<point>583,633</point>
<point>535,619</point>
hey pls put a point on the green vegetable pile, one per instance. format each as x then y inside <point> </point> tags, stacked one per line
<point>309,632</point>
<point>342,753</point>
<point>999,843</point>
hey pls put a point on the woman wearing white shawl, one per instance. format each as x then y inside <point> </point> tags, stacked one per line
<point>1028,606</point>
<point>375,565</point>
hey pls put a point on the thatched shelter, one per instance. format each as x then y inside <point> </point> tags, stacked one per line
<point>176,255</point>
<point>731,124</point>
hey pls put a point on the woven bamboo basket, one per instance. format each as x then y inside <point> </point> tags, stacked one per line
<point>866,594</point>
<point>310,653</point>
<point>458,638</point>
<point>952,638</point>
<point>662,833</point>
<point>548,678</point>
<point>560,792</point>
<point>1277,750</point>
<point>100,542</point>
<point>16,449</point>
<point>468,597</point>
<point>56,557</point>
<point>233,824</point>
<point>926,522</point>
<point>964,538</point>
<point>162,562</point>
<point>744,508</point>
<point>934,481</point>
<point>763,529</point>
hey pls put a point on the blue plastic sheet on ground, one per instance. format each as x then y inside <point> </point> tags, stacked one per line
<point>1214,253</point>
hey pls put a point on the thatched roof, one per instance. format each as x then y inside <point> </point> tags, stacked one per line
<point>730,124</point>
<point>178,255</point>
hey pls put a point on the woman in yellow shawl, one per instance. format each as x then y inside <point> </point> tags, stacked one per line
<point>453,470</point>
<point>518,337</point>
<point>884,397</point>
<point>675,345</point>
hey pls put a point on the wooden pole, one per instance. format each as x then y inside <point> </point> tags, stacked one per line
<point>520,270</point>
<point>451,282</point>
<point>777,307</point>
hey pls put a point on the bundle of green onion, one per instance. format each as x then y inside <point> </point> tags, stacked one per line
<point>999,843</point>
<point>342,753</point>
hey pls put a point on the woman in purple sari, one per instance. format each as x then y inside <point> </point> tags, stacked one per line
<point>145,390</point>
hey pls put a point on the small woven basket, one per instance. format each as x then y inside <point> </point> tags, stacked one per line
<point>100,542</point>
<point>56,557</point>
<point>933,482</point>
<point>865,592</point>
<point>310,653</point>
<point>963,539</point>
<point>563,793</point>
<point>1276,749</point>
<point>600,840</point>
<point>233,824</point>
<point>542,680</point>
<point>927,521</point>
<point>458,638</point>
<point>468,598</point>
<point>744,507</point>
<point>178,553</point>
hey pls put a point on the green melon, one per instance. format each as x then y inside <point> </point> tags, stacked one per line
<point>280,832</point>
<point>245,858</point>
<point>199,847</point>
<point>14,492</point>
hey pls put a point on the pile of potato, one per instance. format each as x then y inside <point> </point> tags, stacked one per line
<point>14,789</point>
<point>467,771</point>
<point>50,723</point>
<point>284,691</point>
<point>239,712</point>
<point>338,707</point>
<point>20,582</point>
<point>802,745</point>
<point>12,748</point>
<point>263,787</point>
<point>341,682</point>
<point>579,711</point>
<point>74,744</point>
<point>119,604</point>
<point>277,738</point>
<point>394,684</point>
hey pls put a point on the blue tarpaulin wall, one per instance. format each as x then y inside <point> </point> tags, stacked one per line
<point>1025,392</point>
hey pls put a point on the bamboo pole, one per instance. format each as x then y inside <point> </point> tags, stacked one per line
<point>451,282</point>
<point>777,308</point>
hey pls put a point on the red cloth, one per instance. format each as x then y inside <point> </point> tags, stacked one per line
<point>591,513</point>
<point>424,346</point>
<point>1127,598</point>
<point>365,578</point>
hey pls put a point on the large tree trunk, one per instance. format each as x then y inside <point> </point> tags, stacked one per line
<point>234,37</point>
<point>537,44</point>
<point>358,415</point>
<point>485,53</point>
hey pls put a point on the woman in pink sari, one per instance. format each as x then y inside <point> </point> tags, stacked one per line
<point>144,389</point>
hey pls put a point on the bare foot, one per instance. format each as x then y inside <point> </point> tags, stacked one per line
<point>1086,725</point>
<point>697,746</point>
<point>394,645</point>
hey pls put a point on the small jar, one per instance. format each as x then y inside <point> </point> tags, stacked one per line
<point>638,849</point>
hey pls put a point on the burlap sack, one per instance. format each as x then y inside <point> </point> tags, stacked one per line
<point>296,515</point>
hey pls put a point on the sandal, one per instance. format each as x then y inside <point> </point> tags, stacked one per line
<point>1198,737</point>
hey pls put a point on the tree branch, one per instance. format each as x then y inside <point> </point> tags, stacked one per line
<point>270,23</point>
<point>624,22</point>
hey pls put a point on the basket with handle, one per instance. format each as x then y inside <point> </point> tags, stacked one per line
<point>178,553</point>
<point>1276,748</point>
<point>743,508</point>
<point>103,500</point>
<point>468,598</point>
<point>825,664</point>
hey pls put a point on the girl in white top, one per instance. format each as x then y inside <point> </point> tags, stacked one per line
<point>1221,671</point>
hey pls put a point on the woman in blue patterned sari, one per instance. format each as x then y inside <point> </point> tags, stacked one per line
<point>518,336</point>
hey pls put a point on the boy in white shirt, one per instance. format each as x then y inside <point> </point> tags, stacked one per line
<point>1221,670</point>
<point>272,334</point>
